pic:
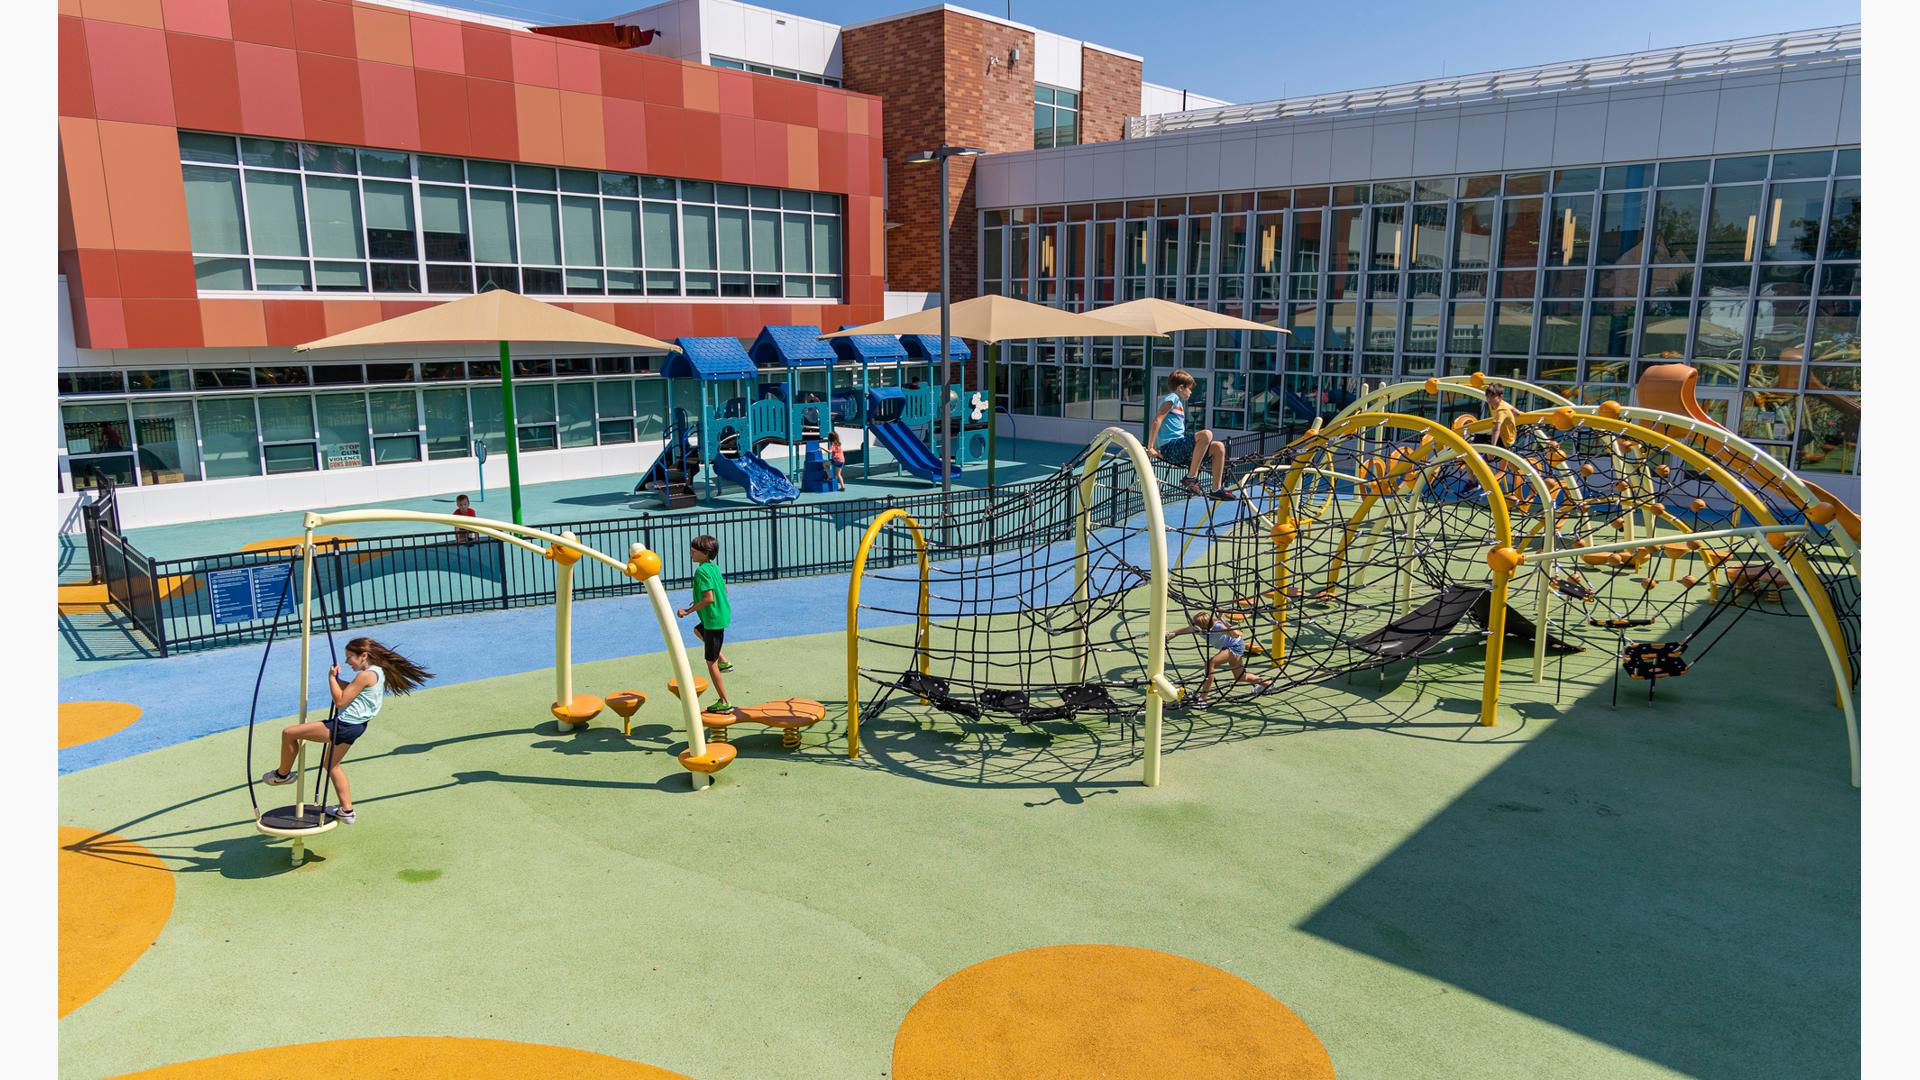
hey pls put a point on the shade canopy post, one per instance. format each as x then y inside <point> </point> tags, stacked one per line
<point>513,429</point>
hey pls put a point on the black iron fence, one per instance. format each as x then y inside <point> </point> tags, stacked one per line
<point>421,575</point>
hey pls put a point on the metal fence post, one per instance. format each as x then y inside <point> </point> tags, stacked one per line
<point>773,538</point>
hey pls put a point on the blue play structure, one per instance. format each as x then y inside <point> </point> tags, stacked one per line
<point>723,440</point>
<point>810,413</point>
<point>899,413</point>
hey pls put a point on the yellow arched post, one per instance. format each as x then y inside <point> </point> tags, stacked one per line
<point>923,627</point>
<point>563,559</point>
<point>1446,437</point>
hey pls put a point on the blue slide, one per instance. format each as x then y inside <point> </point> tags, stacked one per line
<point>676,449</point>
<point>908,450</point>
<point>764,483</point>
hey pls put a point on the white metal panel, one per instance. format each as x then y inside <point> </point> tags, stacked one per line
<point>1049,178</point>
<point>1313,154</point>
<point>1351,153</point>
<point>1056,60</point>
<point>1273,159</point>
<point>1203,165</point>
<point>1393,149</point>
<point>1137,171</point>
<point>1483,137</point>
<point>1436,144</point>
<point>1633,126</point>
<point>1686,122</point>
<point>990,181</point>
<point>1850,110</point>
<point>721,29</point>
<point>1109,166</point>
<point>1529,137</point>
<point>1745,118</point>
<point>1808,113</point>
<point>1021,177</point>
<point>1237,163</point>
<point>1077,176</point>
<point>1169,166</point>
<point>1580,133</point>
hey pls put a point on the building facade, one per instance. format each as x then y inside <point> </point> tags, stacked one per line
<point>1569,225</point>
<point>240,176</point>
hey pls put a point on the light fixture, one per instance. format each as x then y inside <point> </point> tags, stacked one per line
<point>1751,221</point>
<point>1046,254</point>
<point>1269,244</point>
<point>1396,247</point>
<point>1773,230</point>
<point>1566,238</point>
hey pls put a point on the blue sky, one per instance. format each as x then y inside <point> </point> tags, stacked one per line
<point>1254,50</point>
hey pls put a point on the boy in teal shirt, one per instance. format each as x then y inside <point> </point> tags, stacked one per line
<point>710,601</point>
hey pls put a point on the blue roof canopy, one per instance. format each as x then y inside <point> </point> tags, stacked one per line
<point>709,359</point>
<point>791,346</point>
<point>870,348</point>
<point>927,346</point>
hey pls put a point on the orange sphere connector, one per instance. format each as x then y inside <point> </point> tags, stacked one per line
<point>1563,419</point>
<point>1478,379</point>
<point>643,564</point>
<point>1689,581</point>
<point>1432,386</point>
<point>565,556</point>
<point>1505,560</point>
<point>1780,540</point>
<point>1284,533</point>
<point>1648,583</point>
<point>1587,469</point>
<point>1699,505</point>
<point>1822,513</point>
<point>1609,409</point>
<point>1663,471</point>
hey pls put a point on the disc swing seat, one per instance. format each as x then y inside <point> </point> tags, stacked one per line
<point>1651,661</point>
<point>301,819</point>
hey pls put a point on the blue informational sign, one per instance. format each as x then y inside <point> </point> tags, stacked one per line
<point>249,592</point>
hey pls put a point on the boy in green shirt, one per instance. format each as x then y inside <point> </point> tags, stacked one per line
<point>710,600</point>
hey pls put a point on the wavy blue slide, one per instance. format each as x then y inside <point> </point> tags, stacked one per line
<point>764,483</point>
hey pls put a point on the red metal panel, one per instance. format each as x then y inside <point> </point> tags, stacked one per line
<point>626,134</point>
<point>99,273</point>
<point>321,26</point>
<point>269,91</point>
<point>129,65</point>
<point>293,322</point>
<point>833,160</point>
<point>491,118</point>
<point>389,112</point>
<point>330,98</point>
<point>623,75</point>
<point>205,17</point>
<point>437,45</point>
<point>163,324</point>
<point>443,113</point>
<point>155,274</point>
<point>263,22</point>
<point>736,146</point>
<point>233,323</point>
<point>489,53</point>
<point>536,61</point>
<point>580,67</point>
<point>661,80</point>
<point>770,153</point>
<point>75,78</point>
<point>206,82</point>
<point>104,324</point>
<point>736,93</point>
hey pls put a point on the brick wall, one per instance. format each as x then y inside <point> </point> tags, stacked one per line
<point>1109,93</point>
<point>932,71</point>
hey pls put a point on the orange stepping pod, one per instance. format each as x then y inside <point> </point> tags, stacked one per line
<point>699,686</point>
<point>624,704</point>
<point>787,714</point>
<point>578,709</point>
<point>717,723</point>
<point>718,756</point>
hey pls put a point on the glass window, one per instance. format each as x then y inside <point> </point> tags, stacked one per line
<point>391,163</point>
<point>1829,432</point>
<point>213,209</point>
<point>1676,226</point>
<point>1520,232</point>
<point>493,232</point>
<point>1836,331</point>
<point>699,239</point>
<point>1684,173</point>
<point>581,221</point>
<point>826,246</point>
<point>1512,326</point>
<point>1389,241</point>
<point>153,380</point>
<point>1732,170</point>
<point>1722,333</point>
<point>389,210</point>
<point>1348,226</point>
<point>1622,228</point>
<point>286,418</point>
<point>1843,225</point>
<point>1306,225</point>
<point>221,274</point>
<point>1664,333</point>
<point>1572,229</point>
<point>1840,280</point>
<point>222,378</point>
<point>96,429</point>
<point>1793,221</point>
<point>446,415</point>
<point>576,413</point>
<point>1733,224</point>
<point>794,237</point>
<point>1473,236</point>
<point>342,428</point>
<point>1610,329</point>
<point>333,212</point>
<point>229,443</point>
<point>443,223</point>
<point>197,146</point>
<point>539,220</point>
<point>169,448</point>
<point>621,218</point>
<point>276,219</point>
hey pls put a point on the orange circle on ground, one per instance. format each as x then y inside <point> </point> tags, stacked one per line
<point>1110,1011</point>
<point>411,1056</point>
<point>292,543</point>
<point>85,721</point>
<point>82,596</point>
<point>115,897</point>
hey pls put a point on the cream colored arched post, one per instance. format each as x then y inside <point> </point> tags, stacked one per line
<point>1444,436</point>
<point>922,625</point>
<point>1155,687</point>
<point>641,565</point>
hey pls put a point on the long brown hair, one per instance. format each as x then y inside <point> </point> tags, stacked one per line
<point>403,675</point>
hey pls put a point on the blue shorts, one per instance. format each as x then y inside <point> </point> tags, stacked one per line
<point>345,731</point>
<point>1178,451</point>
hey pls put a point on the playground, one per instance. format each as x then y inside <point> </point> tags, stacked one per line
<point>1507,805</point>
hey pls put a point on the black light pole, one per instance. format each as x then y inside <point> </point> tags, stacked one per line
<point>946,313</point>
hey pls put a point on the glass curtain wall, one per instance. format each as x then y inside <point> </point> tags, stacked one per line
<point>1746,267</point>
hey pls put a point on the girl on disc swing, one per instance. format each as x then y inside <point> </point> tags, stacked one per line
<point>356,701</point>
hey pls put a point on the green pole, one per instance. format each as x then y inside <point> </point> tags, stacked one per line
<point>513,432</point>
<point>993,355</point>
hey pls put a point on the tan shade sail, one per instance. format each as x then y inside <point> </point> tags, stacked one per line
<point>997,318</point>
<point>495,315</point>
<point>1156,316</point>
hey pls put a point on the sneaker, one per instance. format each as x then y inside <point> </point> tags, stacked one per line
<point>725,666</point>
<point>1198,701</point>
<point>1191,485</point>
<point>344,817</point>
<point>273,777</point>
<point>720,706</point>
<point>1220,494</point>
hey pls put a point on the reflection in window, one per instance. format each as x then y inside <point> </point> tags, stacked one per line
<point>1733,224</point>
